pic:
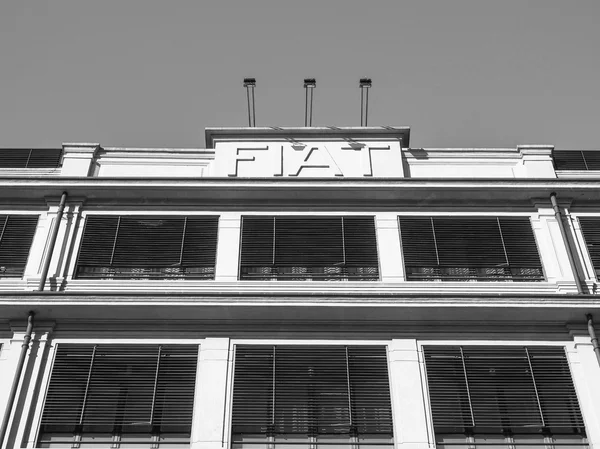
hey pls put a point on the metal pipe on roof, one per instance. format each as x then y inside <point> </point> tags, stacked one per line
<point>17,379</point>
<point>565,238</point>
<point>59,214</point>
<point>250,84</point>
<point>364,84</point>
<point>309,86</point>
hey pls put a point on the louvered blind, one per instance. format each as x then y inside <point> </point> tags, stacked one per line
<point>501,388</point>
<point>148,247</point>
<point>286,392</point>
<point>30,158</point>
<point>576,160</point>
<point>302,248</point>
<point>470,248</point>
<point>16,236</point>
<point>590,227</point>
<point>138,393</point>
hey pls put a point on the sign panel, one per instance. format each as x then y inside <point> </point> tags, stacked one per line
<point>324,159</point>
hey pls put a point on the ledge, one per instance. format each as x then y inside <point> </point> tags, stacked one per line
<point>239,134</point>
<point>326,193</point>
<point>341,288</point>
<point>281,309</point>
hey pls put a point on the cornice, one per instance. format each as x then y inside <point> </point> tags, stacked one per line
<point>240,134</point>
<point>281,309</point>
<point>305,192</point>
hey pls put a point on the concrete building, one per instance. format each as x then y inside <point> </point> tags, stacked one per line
<point>299,288</point>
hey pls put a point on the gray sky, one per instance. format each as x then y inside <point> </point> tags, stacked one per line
<point>461,73</point>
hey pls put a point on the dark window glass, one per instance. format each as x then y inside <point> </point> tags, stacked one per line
<point>147,247</point>
<point>16,237</point>
<point>120,393</point>
<point>470,249</point>
<point>309,248</point>
<point>30,158</point>
<point>504,395</point>
<point>576,160</point>
<point>320,394</point>
<point>590,227</point>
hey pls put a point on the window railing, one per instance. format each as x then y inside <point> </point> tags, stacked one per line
<point>309,273</point>
<point>173,273</point>
<point>492,274</point>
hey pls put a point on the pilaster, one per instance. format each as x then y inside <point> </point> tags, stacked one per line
<point>408,395</point>
<point>389,248</point>
<point>537,161</point>
<point>586,267</point>
<point>78,158</point>
<point>28,393</point>
<point>228,245</point>
<point>585,371</point>
<point>214,376</point>
<point>551,246</point>
<point>63,249</point>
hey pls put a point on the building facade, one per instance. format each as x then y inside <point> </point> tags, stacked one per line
<point>299,288</point>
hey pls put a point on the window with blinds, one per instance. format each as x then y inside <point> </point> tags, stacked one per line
<point>16,237</point>
<point>30,158</point>
<point>470,249</point>
<point>308,248</point>
<point>148,247</point>
<point>576,160</point>
<point>311,395</point>
<point>590,227</point>
<point>502,395</point>
<point>112,395</point>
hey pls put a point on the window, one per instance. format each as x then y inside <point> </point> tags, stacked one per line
<point>146,247</point>
<point>576,160</point>
<point>309,248</point>
<point>590,227</point>
<point>508,396</point>
<point>309,395</point>
<point>16,236</point>
<point>470,249</point>
<point>30,158</point>
<point>124,395</point>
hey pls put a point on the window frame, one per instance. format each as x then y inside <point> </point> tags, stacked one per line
<point>40,215</point>
<point>309,215</point>
<point>80,227</point>
<point>463,215</point>
<point>579,240</point>
<point>38,408</point>
<point>228,424</point>
<point>568,346</point>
